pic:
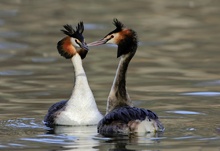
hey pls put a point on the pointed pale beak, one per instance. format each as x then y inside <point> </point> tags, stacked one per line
<point>98,42</point>
<point>84,46</point>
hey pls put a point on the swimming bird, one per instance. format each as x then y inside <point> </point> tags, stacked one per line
<point>81,108</point>
<point>121,116</point>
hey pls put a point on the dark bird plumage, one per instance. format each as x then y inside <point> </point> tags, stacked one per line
<point>68,30</point>
<point>49,119</point>
<point>119,26</point>
<point>117,121</point>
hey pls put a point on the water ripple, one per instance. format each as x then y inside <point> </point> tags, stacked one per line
<point>184,112</point>
<point>48,140</point>
<point>186,137</point>
<point>10,45</point>
<point>209,138</point>
<point>94,26</point>
<point>5,56</point>
<point>16,145</point>
<point>3,146</point>
<point>2,22</point>
<point>209,83</point>
<point>8,13</point>
<point>9,34</point>
<point>43,60</point>
<point>15,73</point>
<point>24,123</point>
<point>201,93</point>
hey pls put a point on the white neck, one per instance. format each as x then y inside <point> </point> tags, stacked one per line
<point>77,63</point>
<point>82,96</point>
<point>81,108</point>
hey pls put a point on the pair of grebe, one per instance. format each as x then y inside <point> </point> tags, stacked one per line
<point>121,116</point>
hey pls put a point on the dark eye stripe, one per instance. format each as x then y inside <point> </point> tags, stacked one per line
<point>77,42</point>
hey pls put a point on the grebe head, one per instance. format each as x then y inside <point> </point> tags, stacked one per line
<point>73,43</point>
<point>125,38</point>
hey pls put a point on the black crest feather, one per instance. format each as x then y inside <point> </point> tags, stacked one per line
<point>80,27</point>
<point>118,24</point>
<point>68,30</point>
<point>119,27</point>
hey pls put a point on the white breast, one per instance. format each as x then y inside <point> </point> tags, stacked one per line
<point>81,108</point>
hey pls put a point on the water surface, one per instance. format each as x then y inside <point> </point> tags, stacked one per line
<point>175,72</point>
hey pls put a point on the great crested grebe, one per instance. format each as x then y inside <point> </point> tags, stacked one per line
<point>121,117</point>
<point>81,108</point>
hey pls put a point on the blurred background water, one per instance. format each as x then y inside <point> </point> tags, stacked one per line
<point>175,71</point>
